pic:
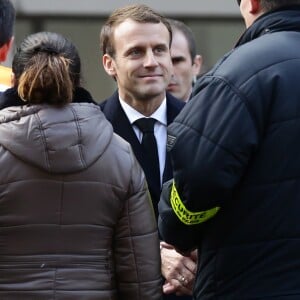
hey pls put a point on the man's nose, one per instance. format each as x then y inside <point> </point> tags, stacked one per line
<point>150,59</point>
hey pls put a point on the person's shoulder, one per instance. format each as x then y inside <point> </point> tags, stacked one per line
<point>103,103</point>
<point>112,98</point>
<point>171,100</point>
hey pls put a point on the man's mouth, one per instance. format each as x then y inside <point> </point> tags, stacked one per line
<point>171,86</point>
<point>150,75</point>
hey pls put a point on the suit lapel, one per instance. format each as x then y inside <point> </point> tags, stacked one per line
<point>116,115</point>
<point>174,106</point>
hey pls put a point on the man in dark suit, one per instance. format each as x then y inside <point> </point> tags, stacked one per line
<point>135,42</point>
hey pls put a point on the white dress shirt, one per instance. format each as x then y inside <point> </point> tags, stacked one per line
<point>160,129</point>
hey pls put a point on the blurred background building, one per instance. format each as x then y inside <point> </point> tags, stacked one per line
<point>217,25</point>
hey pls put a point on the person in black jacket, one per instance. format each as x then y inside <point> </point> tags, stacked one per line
<point>135,42</point>
<point>7,20</point>
<point>235,154</point>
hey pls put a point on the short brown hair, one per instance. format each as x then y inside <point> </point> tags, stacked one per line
<point>137,12</point>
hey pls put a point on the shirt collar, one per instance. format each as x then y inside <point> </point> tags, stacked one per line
<point>160,114</point>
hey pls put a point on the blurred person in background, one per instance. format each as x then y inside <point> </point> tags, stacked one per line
<point>76,217</point>
<point>7,20</point>
<point>186,62</point>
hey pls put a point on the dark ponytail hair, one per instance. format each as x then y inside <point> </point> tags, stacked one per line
<point>46,68</point>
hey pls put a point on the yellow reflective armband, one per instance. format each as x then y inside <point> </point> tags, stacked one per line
<point>185,216</point>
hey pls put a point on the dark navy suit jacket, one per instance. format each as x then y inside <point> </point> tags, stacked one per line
<point>114,112</point>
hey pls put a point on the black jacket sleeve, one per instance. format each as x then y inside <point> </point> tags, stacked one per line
<point>210,143</point>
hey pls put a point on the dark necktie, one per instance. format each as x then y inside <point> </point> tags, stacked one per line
<point>146,125</point>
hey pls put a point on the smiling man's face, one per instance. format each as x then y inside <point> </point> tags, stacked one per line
<point>142,63</point>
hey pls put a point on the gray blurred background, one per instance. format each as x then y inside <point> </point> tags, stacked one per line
<point>217,25</point>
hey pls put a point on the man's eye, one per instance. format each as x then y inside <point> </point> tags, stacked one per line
<point>159,49</point>
<point>135,52</point>
<point>177,60</point>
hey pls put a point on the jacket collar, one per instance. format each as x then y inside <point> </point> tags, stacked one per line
<point>283,19</point>
<point>113,110</point>
<point>11,98</point>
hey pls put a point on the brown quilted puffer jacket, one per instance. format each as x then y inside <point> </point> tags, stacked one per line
<point>76,221</point>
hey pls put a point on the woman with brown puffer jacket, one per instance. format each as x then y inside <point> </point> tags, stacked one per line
<point>76,220</point>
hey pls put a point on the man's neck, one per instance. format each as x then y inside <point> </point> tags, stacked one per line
<point>144,106</point>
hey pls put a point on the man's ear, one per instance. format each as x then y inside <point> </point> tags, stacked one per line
<point>5,49</point>
<point>251,10</point>
<point>109,65</point>
<point>254,6</point>
<point>197,64</point>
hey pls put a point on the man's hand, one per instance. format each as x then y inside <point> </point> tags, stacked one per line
<point>178,270</point>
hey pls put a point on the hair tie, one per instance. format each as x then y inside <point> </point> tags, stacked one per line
<point>46,49</point>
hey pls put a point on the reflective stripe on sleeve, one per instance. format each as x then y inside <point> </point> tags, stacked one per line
<point>185,216</point>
